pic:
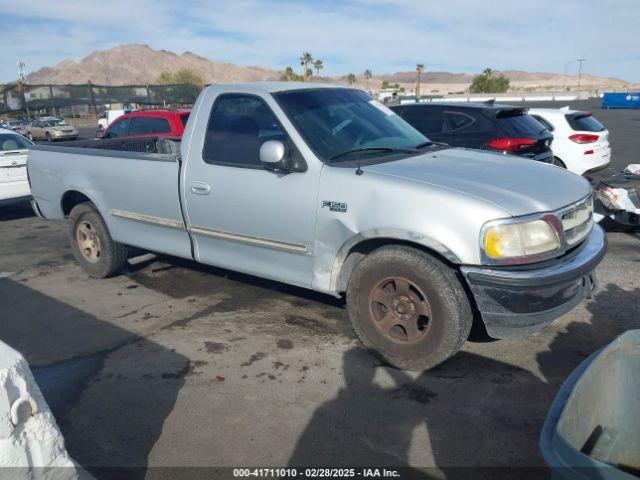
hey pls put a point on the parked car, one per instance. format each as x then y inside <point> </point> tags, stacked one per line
<point>18,126</point>
<point>145,123</point>
<point>580,141</point>
<point>14,186</point>
<point>109,116</point>
<point>325,188</point>
<point>51,129</point>
<point>485,126</point>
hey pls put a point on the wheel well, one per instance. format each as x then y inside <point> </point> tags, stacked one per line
<point>72,198</point>
<point>360,250</point>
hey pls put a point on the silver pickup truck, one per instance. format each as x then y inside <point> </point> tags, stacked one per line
<point>326,188</point>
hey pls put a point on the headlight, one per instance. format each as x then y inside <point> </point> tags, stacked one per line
<point>512,240</point>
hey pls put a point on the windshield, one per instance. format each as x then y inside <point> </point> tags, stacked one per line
<point>338,120</point>
<point>54,123</point>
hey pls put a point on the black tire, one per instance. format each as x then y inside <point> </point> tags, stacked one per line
<point>109,257</point>
<point>49,138</point>
<point>559,163</point>
<point>443,331</point>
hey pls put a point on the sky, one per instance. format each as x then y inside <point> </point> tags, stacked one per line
<point>349,36</point>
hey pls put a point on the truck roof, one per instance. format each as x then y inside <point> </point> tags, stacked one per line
<point>272,87</point>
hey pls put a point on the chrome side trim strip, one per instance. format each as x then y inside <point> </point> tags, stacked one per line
<point>261,242</point>
<point>166,222</point>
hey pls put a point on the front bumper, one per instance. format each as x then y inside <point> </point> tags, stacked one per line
<point>515,302</point>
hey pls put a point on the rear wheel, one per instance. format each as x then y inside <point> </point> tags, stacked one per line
<point>559,163</point>
<point>409,307</point>
<point>91,243</point>
<point>49,137</point>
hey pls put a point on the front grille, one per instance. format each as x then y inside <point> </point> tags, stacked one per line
<point>578,221</point>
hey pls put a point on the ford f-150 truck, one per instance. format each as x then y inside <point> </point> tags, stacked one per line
<point>326,188</point>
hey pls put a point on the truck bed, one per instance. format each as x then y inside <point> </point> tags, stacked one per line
<point>134,184</point>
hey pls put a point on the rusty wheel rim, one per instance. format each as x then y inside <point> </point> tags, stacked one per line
<point>88,241</point>
<point>400,310</point>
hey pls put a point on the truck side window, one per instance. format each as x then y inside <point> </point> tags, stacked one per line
<point>119,128</point>
<point>239,124</point>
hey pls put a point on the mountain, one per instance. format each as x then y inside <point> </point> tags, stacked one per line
<point>140,64</point>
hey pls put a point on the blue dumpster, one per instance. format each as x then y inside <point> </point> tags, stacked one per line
<point>621,100</point>
<point>593,428</point>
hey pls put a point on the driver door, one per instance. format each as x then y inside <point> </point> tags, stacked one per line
<point>240,215</point>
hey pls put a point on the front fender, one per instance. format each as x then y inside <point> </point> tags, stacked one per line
<point>390,234</point>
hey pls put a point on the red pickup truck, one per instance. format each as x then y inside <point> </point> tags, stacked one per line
<point>145,123</point>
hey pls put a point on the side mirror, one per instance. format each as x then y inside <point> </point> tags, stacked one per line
<point>274,155</point>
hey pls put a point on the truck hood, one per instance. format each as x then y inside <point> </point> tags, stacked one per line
<point>517,185</point>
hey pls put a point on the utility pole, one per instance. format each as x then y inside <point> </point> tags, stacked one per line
<point>580,60</point>
<point>22,84</point>
<point>419,70</point>
<point>564,77</point>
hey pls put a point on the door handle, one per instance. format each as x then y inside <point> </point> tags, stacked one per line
<point>200,188</point>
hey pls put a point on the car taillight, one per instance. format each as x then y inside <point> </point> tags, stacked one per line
<point>589,152</point>
<point>584,138</point>
<point>511,144</point>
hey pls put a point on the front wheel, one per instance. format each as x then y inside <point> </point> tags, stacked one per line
<point>409,307</point>
<point>91,243</point>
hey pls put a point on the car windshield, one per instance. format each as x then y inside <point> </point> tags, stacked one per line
<point>12,141</point>
<point>338,121</point>
<point>54,123</point>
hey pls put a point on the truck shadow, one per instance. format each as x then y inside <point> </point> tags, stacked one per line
<point>479,417</point>
<point>110,390</point>
<point>16,211</point>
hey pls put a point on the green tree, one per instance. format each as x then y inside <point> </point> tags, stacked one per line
<point>184,75</point>
<point>351,79</point>
<point>305,60</point>
<point>318,66</point>
<point>488,82</point>
<point>289,75</point>
<point>385,84</point>
<point>367,77</point>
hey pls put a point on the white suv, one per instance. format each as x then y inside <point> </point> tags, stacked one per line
<point>14,185</point>
<point>580,142</point>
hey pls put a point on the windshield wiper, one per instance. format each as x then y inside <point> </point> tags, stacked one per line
<point>430,143</point>
<point>371,149</point>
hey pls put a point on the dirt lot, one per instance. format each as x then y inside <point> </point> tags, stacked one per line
<point>177,364</point>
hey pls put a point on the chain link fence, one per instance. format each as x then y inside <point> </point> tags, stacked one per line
<point>88,99</point>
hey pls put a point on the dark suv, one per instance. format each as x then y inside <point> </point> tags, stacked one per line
<point>485,126</point>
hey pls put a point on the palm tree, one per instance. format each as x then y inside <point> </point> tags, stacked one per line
<point>305,60</point>
<point>367,77</point>
<point>351,79</point>
<point>318,66</point>
<point>419,70</point>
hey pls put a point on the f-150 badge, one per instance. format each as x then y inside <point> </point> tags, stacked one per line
<point>335,206</point>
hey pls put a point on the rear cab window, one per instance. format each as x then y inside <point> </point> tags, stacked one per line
<point>584,122</point>
<point>184,118</point>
